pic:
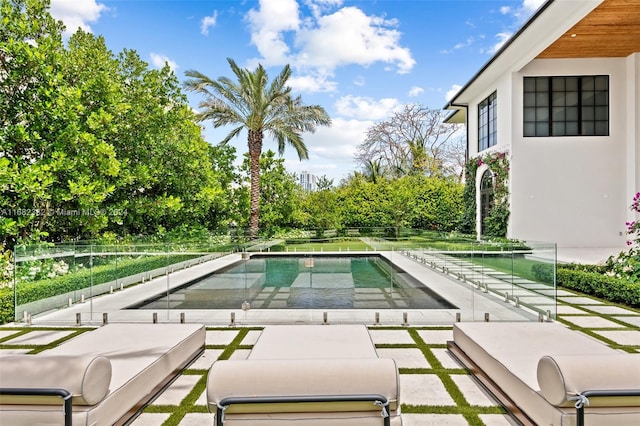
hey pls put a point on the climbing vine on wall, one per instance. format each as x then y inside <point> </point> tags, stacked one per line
<point>495,224</point>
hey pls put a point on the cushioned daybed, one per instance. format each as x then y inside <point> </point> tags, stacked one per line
<point>110,373</point>
<point>540,370</point>
<point>307,375</point>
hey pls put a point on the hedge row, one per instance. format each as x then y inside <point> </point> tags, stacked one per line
<point>38,290</point>
<point>597,284</point>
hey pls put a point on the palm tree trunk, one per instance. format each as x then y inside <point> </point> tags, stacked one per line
<point>255,150</point>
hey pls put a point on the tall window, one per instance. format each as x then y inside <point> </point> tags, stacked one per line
<point>487,123</point>
<point>566,106</point>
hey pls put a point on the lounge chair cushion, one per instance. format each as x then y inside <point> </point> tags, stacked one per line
<point>305,377</point>
<point>86,377</point>
<point>561,377</point>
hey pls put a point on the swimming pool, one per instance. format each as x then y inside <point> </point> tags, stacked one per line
<point>269,281</point>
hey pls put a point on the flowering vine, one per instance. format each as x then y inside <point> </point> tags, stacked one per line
<point>627,264</point>
<point>495,224</point>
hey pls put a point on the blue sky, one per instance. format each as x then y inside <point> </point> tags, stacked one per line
<point>360,60</point>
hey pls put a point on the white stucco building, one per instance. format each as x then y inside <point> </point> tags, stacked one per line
<point>562,99</point>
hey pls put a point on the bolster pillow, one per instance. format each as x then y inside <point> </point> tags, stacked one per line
<point>309,377</point>
<point>561,377</point>
<point>86,377</point>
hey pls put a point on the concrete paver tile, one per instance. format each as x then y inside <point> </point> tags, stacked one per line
<point>436,336</point>
<point>240,354</point>
<point>568,310</point>
<point>38,337</point>
<point>592,321</point>
<point>202,399</point>
<point>635,320</point>
<point>390,337</point>
<point>178,390</point>
<point>622,337</point>
<point>7,333</point>
<point>251,337</point>
<point>150,419</point>
<point>612,310</point>
<point>473,393</point>
<point>206,359</point>
<point>579,300</point>
<point>14,351</point>
<point>423,389</point>
<point>405,358</point>
<point>197,419</point>
<point>219,337</point>
<point>433,419</point>
<point>497,420</point>
<point>445,358</point>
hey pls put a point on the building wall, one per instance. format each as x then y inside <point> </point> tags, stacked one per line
<point>633,129</point>
<point>573,190</point>
<point>502,87</point>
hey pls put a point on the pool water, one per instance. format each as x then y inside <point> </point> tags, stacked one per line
<point>303,282</point>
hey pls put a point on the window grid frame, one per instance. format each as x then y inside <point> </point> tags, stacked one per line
<point>534,106</point>
<point>488,122</point>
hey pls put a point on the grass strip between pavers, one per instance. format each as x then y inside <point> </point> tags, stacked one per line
<point>462,406</point>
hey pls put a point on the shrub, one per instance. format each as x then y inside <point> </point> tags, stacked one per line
<point>597,284</point>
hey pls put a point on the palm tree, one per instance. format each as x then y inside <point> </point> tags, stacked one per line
<point>257,105</point>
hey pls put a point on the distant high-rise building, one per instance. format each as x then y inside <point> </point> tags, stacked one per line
<point>308,182</point>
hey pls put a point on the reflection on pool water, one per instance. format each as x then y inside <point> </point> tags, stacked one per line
<point>303,282</point>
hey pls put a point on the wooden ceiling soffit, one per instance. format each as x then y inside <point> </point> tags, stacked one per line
<point>611,30</point>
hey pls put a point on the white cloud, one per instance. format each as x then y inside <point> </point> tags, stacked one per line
<point>318,6</point>
<point>452,92</point>
<point>268,25</point>
<point>523,12</point>
<point>505,10</point>
<point>313,83</point>
<point>502,39</point>
<point>208,21</point>
<point>360,81</point>
<point>77,13</point>
<point>365,108</point>
<point>159,60</point>
<point>532,5</point>
<point>320,43</point>
<point>349,36</point>
<point>415,91</point>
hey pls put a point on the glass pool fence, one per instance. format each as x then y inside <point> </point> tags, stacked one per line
<point>476,280</point>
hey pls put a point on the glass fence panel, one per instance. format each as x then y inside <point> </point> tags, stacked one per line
<point>369,275</point>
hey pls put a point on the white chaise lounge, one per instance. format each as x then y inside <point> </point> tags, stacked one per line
<point>110,373</point>
<point>540,370</point>
<point>307,375</point>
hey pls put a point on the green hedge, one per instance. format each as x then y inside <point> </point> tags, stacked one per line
<point>38,290</point>
<point>597,284</point>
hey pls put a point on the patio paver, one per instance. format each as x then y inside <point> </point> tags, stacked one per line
<point>391,336</point>
<point>405,358</point>
<point>439,337</point>
<point>592,321</point>
<point>423,389</point>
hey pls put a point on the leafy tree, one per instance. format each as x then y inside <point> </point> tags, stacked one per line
<point>324,183</point>
<point>436,203</point>
<point>414,141</point>
<point>364,204</point>
<point>49,159</point>
<point>225,210</point>
<point>322,207</point>
<point>258,106</point>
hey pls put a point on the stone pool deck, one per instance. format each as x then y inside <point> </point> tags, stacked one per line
<point>435,389</point>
